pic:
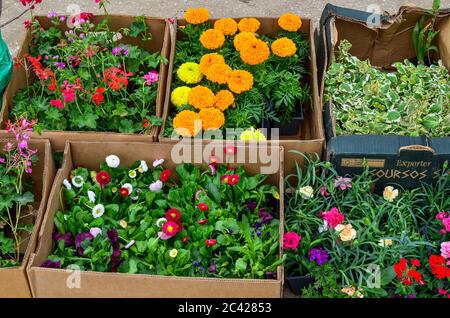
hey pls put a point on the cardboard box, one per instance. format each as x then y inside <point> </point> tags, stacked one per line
<point>13,280</point>
<point>47,282</point>
<point>159,43</point>
<point>310,138</point>
<point>403,160</point>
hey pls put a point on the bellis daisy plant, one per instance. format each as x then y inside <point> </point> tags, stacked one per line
<point>184,221</point>
<point>227,75</point>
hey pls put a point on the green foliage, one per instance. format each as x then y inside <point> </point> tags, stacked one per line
<point>412,101</point>
<point>240,252</point>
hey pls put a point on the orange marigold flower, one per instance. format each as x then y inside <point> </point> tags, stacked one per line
<point>219,73</point>
<point>212,118</point>
<point>255,52</point>
<point>249,25</point>
<point>224,99</point>
<point>212,39</point>
<point>240,81</point>
<point>284,47</point>
<point>290,22</point>
<point>196,16</point>
<point>210,59</point>
<point>242,38</point>
<point>201,97</point>
<point>227,25</point>
<point>187,123</point>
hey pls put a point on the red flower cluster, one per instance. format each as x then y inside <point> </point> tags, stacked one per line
<point>98,97</point>
<point>43,74</point>
<point>173,215</point>
<point>210,242</point>
<point>165,175</point>
<point>438,267</point>
<point>231,179</point>
<point>116,78</point>
<point>408,275</point>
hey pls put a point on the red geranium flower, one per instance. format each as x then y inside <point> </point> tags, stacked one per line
<point>210,242</point>
<point>170,228</point>
<point>407,281</point>
<point>203,207</point>
<point>202,221</point>
<point>415,262</point>
<point>173,215</point>
<point>165,175</point>
<point>412,273</point>
<point>103,178</point>
<point>98,97</point>
<point>57,103</point>
<point>124,192</point>
<point>438,267</point>
<point>400,267</point>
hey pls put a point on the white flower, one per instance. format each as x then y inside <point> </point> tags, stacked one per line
<point>156,186</point>
<point>306,192</point>
<point>163,236</point>
<point>67,184</point>
<point>77,181</point>
<point>324,227</point>
<point>390,194</point>
<point>95,231</point>
<point>98,211</point>
<point>123,224</point>
<point>158,162</point>
<point>385,242</point>
<point>132,174</point>
<point>129,187</point>
<point>143,167</point>
<point>346,232</point>
<point>160,221</point>
<point>112,161</point>
<point>173,253</point>
<point>130,244</point>
<point>91,196</point>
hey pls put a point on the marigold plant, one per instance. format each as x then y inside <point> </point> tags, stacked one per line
<point>187,123</point>
<point>240,81</point>
<point>223,99</point>
<point>212,118</point>
<point>201,97</point>
<point>241,39</point>
<point>190,73</point>
<point>290,22</point>
<point>209,59</point>
<point>212,39</point>
<point>219,73</point>
<point>249,25</point>
<point>227,25</point>
<point>196,16</point>
<point>179,96</point>
<point>255,52</point>
<point>284,47</point>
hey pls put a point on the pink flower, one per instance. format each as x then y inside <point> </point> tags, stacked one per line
<point>324,192</point>
<point>230,150</point>
<point>445,250</point>
<point>69,95</point>
<point>213,169</point>
<point>27,24</point>
<point>333,217</point>
<point>440,216</point>
<point>343,183</point>
<point>446,223</point>
<point>442,291</point>
<point>171,20</point>
<point>8,146</point>
<point>291,240</point>
<point>57,103</point>
<point>442,232</point>
<point>151,77</point>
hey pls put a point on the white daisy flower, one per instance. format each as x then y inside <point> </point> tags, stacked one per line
<point>67,184</point>
<point>91,196</point>
<point>160,222</point>
<point>95,231</point>
<point>130,244</point>
<point>77,181</point>
<point>156,186</point>
<point>112,161</point>
<point>129,187</point>
<point>132,174</point>
<point>98,211</point>
<point>143,167</point>
<point>173,253</point>
<point>158,162</point>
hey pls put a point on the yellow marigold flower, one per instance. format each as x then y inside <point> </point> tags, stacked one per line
<point>209,59</point>
<point>212,39</point>
<point>189,73</point>
<point>196,16</point>
<point>224,99</point>
<point>252,134</point>
<point>284,47</point>
<point>219,73</point>
<point>240,81</point>
<point>201,97</point>
<point>290,22</point>
<point>255,52</point>
<point>179,96</point>
<point>249,25</point>
<point>212,118</point>
<point>187,123</point>
<point>227,25</point>
<point>241,39</point>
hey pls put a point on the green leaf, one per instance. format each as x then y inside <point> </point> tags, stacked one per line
<point>241,265</point>
<point>24,199</point>
<point>214,192</point>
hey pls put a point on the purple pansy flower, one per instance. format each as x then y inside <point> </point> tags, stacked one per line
<point>113,236</point>
<point>67,238</point>
<point>51,264</point>
<point>251,205</point>
<point>265,216</point>
<point>79,239</point>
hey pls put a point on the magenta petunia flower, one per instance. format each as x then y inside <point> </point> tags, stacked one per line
<point>151,77</point>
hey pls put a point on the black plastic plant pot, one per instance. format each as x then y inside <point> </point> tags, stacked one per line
<point>297,283</point>
<point>293,127</point>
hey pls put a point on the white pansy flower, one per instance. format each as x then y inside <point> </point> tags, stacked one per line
<point>129,187</point>
<point>143,167</point>
<point>91,196</point>
<point>112,161</point>
<point>306,192</point>
<point>98,211</point>
<point>158,162</point>
<point>67,184</point>
<point>156,186</point>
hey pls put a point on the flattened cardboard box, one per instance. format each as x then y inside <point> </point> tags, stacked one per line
<point>13,280</point>
<point>159,43</point>
<point>310,138</point>
<point>46,282</point>
<point>402,160</point>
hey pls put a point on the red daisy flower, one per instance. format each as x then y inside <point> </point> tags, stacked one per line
<point>210,242</point>
<point>165,175</point>
<point>173,215</point>
<point>203,207</point>
<point>103,178</point>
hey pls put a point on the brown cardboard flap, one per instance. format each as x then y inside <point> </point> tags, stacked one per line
<point>53,282</point>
